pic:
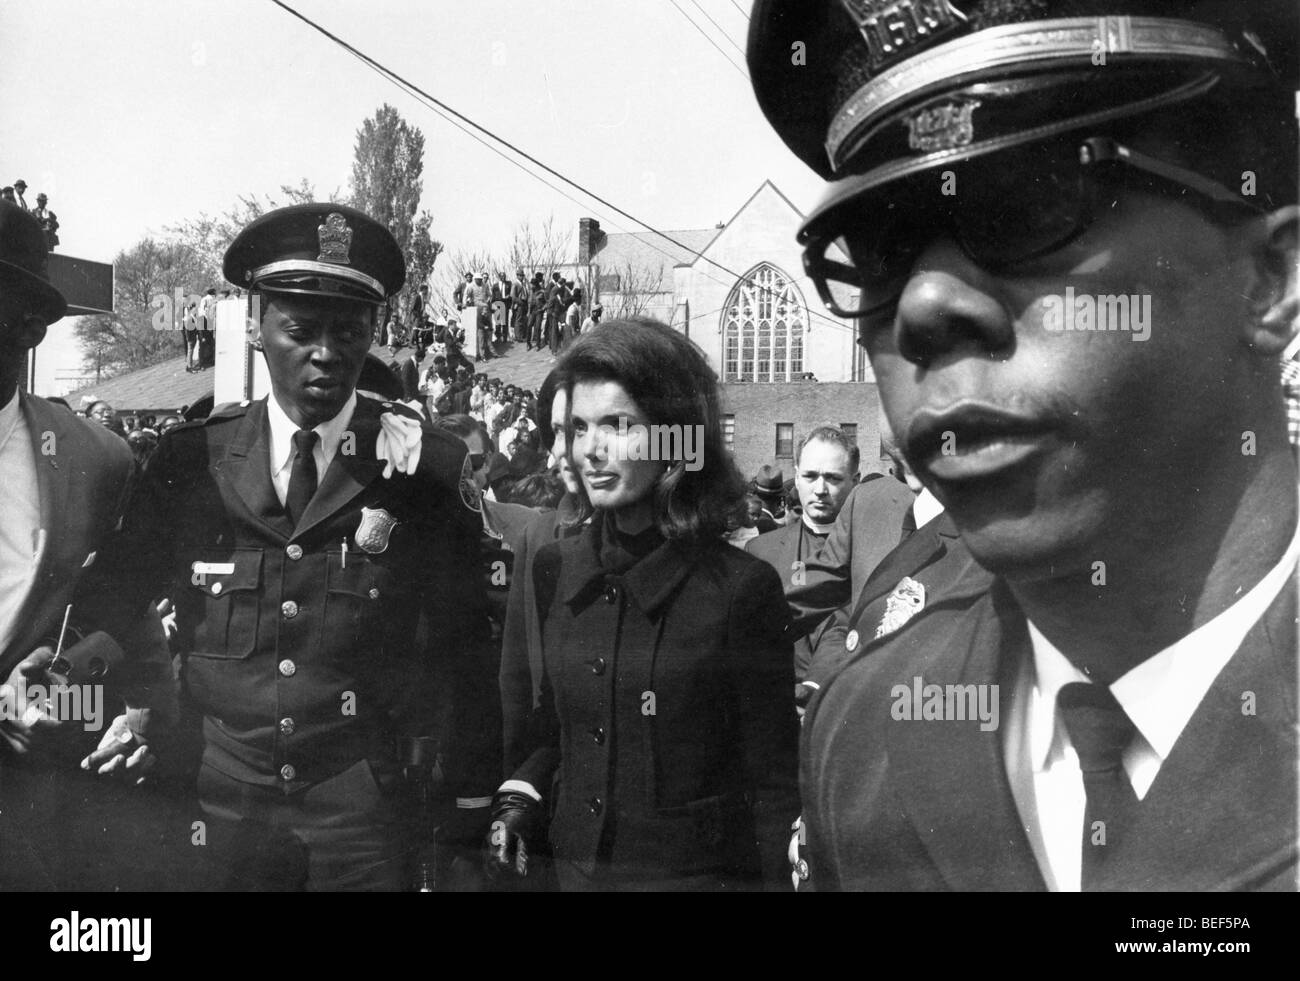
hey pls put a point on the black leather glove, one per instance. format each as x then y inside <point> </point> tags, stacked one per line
<point>515,820</point>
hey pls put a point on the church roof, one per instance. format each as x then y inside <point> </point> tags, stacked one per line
<point>650,250</point>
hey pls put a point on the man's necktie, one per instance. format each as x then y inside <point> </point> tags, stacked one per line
<point>302,476</point>
<point>909,525</point>
<point>1100,732</point>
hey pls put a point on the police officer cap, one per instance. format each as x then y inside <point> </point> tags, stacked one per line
<point>319,249</point>
<point>23,253</point>
<point>874,90</point>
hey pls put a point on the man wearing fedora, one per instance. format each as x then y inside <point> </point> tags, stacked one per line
<point>20,188</point>
<point>65,483</point>
<point>313,543</point>
<point>1114,707</point>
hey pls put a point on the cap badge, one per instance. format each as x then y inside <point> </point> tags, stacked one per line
<point>892,27</point>
<point>372,534</point>
<point>942,127</point>
<point>905,602</point>
<point>335,240</point>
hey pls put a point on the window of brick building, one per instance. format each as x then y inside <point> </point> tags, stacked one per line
<point>785,440</point>
<point>729,431</point>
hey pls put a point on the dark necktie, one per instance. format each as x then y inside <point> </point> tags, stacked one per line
<point>1100,732</point>
<point>302,476</point>
<point>909,525</point>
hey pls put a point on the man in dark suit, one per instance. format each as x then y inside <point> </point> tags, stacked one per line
<point>65,482</point>
<point>314,544</point>
<point>826,471</point>
<point>1112,704</point>
<point>554,312</point>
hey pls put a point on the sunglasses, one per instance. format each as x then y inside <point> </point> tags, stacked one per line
<point>1008,209</point>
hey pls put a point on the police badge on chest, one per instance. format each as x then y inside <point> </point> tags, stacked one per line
<point>373,532</point>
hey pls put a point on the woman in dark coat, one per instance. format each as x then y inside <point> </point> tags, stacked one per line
<point>664,745</point>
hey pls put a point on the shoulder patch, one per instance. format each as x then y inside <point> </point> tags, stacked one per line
<point>227,410</point>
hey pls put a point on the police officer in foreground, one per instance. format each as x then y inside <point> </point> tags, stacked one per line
<point>1115,708</point>
<point>315,545</point>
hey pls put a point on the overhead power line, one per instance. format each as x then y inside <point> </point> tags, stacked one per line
<point>474,129</point>
<point>705,34</point>
<point>718,27</point>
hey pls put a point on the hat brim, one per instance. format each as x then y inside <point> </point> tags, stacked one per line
<point>1118,97</point>
<point>48,302</point>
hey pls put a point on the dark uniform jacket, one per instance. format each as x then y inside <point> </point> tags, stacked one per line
<point>307,650</point>
<point>902,805</point>
<point>665,714</point>
<point>788,550</point>
<point>933,556</point>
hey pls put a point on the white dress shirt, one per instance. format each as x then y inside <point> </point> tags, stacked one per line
<point>20,518</point>
<point>1160,696</point>
<point>282,429</point>
<point>925,507</point>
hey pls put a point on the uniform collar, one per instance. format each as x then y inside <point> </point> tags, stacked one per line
<point>282,430</point>
<point>1161,694</point>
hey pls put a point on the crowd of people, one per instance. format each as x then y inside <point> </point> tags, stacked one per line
<point>16,193</point>
<point>1055,650</point>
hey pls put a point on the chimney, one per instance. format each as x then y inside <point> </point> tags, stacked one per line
<point>589,236</point>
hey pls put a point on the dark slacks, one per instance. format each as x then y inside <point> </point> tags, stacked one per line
<point>345,833</point>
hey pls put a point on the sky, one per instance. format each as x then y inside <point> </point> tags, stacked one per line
<point>133,115</point>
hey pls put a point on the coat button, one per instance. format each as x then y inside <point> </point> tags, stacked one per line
<point>294,552</point>
<point>598,736</point>
<point>598,666</point>
<point>611,593</point>
<point>286,727</point>
<point>287,668</point>
<point>216,589</point>
<point>851,641</point>
<point>287,772</point>
<point>595,805</point>
<point>289,608</point>
<point>374,593</point>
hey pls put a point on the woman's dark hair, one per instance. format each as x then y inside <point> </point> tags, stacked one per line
<point>545,401</point>
<point>670,380</point>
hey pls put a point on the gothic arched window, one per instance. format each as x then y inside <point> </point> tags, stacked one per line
<point>762,328</point>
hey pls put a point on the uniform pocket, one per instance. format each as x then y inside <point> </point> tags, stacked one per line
<point>222,601</point>
<point>350,592</point>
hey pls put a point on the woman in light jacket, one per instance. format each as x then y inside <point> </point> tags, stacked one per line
<point>663,749</point>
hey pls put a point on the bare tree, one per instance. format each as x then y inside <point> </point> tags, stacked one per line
<point>208,236</point>
<point>628,291</point>
<point>541,248</point>
<point>450,273</point>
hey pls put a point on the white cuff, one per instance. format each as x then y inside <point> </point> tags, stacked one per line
<point>521,786</point>
<point>468,803</point>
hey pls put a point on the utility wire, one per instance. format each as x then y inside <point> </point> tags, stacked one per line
<point>718,27</point>
<point>741,9</point>
<point>457,119</point>
<point>705,34</point>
